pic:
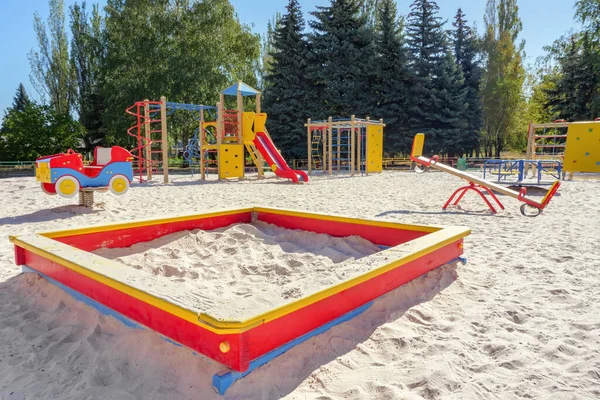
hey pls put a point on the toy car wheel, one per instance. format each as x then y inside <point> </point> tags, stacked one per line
<point>118,184</point>
<point>48,188</point>
<point>67,187</point>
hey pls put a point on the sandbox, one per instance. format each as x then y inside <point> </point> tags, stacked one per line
<point>239,339</point>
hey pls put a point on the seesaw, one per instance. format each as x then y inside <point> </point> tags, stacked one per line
<point>242,345</point>
<point>480,186</point>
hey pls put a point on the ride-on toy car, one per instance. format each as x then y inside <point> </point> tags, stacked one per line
<point>64,174</point>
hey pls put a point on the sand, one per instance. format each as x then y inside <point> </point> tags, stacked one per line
<point>520,320</point>
<point>240,271</point>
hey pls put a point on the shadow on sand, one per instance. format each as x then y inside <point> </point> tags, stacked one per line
<point>484,213</point>
<point>199,182</point>
<point>51,214</point>
<point>274,380</point>
<point>289,370</point>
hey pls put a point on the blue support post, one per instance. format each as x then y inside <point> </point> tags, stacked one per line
<point>521,170</point>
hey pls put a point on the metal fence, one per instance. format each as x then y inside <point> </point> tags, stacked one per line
<point>27,168</point>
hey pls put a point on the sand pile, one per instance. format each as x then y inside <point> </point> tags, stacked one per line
<point>242,270</point>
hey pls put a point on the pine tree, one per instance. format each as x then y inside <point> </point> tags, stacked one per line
<point>342,60</point>
<point>438,97</point>
<point>466,53</point>
<point>393,78</point>
<point>450,101</point>
<point>286,83</point>
<point>21,99</point>
<point>564,98</point>
<point>574,93</point>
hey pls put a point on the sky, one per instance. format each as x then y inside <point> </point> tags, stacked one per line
<point>543,22</point>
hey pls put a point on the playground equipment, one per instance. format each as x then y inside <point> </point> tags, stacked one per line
<point>577,142</point>
<point>192,150</point>
<point>478,185</point>
<point>353,145</point>
<point>503,170</point>
<point>65,259</point>
<point>150,131</point>
<point>582,153</point>
<point>66,175</point>
<point>236,131</point>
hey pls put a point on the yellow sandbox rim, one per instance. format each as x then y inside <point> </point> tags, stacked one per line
<point>81,262</point>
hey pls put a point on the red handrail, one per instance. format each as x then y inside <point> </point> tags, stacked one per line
<point>142,141</point>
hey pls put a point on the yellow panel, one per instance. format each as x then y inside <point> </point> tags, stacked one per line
<point>247,125</point>
<point>418,143</point>
<point>259,122</point>
<point>583,147</point>
<point>231,161</point>
<point>374,148</point>
<point>42,172</point>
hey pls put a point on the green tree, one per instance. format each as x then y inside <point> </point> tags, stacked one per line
<point>51,70</point>
<point>286,82</point>
<point>467,57</point>
<point>266,57</point>
<point>570,97</point>
<point>35,131</point>
<point>393,81</point>
<point>21,99</point>
<point>537,105</point>
<point>370,10</point>
<point>588,13</point>
<point>341,61</point>
<point>438,94</point>
<point>576,94</point>
<point>87,54</point>
<point>504,75</point>
<point>184,50</point>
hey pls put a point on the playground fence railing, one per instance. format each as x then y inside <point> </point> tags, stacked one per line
<point>9,169</point>
<point>404,163</point>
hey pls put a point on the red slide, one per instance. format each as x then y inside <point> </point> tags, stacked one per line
<point>277,163</point>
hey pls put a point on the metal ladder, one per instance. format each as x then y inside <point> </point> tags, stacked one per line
<point>316,141</point>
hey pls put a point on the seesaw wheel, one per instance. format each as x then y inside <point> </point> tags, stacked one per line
<point>419,169</point>
<point>118,184</point>
<point>530,211</point>
<point>67,187</point>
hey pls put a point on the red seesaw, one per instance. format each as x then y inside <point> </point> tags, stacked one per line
<point>480,186</point>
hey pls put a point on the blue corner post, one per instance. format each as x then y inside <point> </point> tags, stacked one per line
<point>224,379</point>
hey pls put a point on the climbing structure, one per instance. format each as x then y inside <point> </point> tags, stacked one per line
<point>353,145</point>
<point>235,132</point>
<point>238,132</point>
<point>317,134</point>
<point>582,153</point>
<point>151,154</point>
<point>150,132</point>
<point>547,140</point>
<point>578,143</point>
